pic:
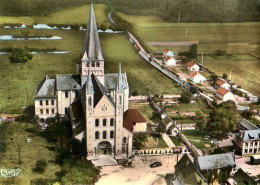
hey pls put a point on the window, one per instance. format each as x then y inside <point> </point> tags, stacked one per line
<point>76,94</point>
<point>111,134</point>
<point>40,102</point>
<point>47,111</point>
<point>93,64</point>
<point>52,102</point>
<point>124,139</point>
<point>96,135</point>
<point>52,111</point>
<point>98,64</point>
<point>104,135</point>
<point>66,94</point>
<point>66,110</point>
<point>104,122</point>
<point>89,101</point>
<point>97,122</point>
<point>47,102</point>
<point>41,111</point>
<point>120,100</point>
<point>111,122</point>
<point>88,64</point>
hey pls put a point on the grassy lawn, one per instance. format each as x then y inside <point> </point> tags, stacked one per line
<point>197,139</point>
<point>142,77</point>
<point>30,153</point>
<point>244,72</point>
<point>66,16</point>
<point>176,141</point>
<point>154,141</point>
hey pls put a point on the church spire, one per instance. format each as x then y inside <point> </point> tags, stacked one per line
<point>120,87</point>
<point>92,42</point>
<point>89,85</point>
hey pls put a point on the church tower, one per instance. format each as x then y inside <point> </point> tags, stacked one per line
<point>119,114</point>
<point>92,58</point>
<point>89,101</point>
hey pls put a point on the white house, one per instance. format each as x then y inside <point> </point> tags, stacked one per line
<point>169,61</point>
<point>168,53</point>
<point>222,83</point>
<point>197,78</point>
<point>191,66</point>
<point>225,95</point>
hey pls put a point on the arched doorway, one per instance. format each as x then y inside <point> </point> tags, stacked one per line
<point>104,148</point>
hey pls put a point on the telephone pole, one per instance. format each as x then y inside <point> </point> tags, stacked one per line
<point>19,154</point>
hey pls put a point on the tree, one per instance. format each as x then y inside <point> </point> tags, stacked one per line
<point>19,55</point>
<point>139,140</point>
<point>194,90</point>
<point>225,76</point>
<point>218,151</point>
<point>202,121</point>
<point>185,97</point>
<point>223,119</point>
<point>40,165</point>
<point>247,114</point>
<point>213,78</point>
<point>193,51</point>
<point>161,128</point>
<point>135,93</point>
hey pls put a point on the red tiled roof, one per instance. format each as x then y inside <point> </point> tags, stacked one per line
<point>166,50</point>
<point>222,91</point>
<point>167,58</point>
<point>194,73</point>
<point>220,82</point>
<point>131,117</point>
<point>190,64</point>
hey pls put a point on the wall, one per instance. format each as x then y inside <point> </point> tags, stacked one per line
<point>44,106</point>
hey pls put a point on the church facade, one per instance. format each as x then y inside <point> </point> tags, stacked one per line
<point>94,100</point>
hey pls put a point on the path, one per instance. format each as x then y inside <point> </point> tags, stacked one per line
<point>168,140</point>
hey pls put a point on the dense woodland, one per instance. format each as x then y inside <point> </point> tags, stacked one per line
<point>193,11</point>
<point>169,10</point>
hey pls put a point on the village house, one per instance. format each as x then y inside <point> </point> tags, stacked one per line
<point>247,142</point>
<point>196,77</point>
<point>95,101</point>
<point>169,61</point>
<point>191,66</point>
<point>134,121</point>
<point>222,83</point>
<point>224,94</point>
<point>168,53</point>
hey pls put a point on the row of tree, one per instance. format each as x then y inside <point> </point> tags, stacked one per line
<point>193,11</point>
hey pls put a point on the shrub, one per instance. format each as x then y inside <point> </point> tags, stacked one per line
<point>40,166</point>
<point>19,55</point>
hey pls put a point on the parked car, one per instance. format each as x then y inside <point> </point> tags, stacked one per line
<point>155,164</point>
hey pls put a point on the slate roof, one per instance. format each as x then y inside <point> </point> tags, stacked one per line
<point>247,124</point>
<point>215,161</point>
<point>251,135</point>
<point>111,80</point>
<point>131,117</point>
<point>46,88</point>
<point>67,82</point>
<point>92,48</point>
<point>222,91</point>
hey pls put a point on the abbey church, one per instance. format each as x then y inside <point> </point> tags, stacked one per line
<point>95,102</point>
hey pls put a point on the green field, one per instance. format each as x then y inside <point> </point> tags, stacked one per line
<point>30,153</point>
<point>238,39</point>
<point>66,16</point>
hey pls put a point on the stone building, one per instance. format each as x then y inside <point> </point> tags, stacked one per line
<point>94,101</point>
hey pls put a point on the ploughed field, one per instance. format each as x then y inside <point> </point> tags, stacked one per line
<point>242,40</point>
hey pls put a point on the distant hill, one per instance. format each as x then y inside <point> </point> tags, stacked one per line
<point>193,10</point>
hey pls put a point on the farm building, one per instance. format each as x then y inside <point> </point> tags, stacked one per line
<point>222,83</point>
<point>169,61</point>
<point>168,53</point>
<point>191,66</point>
<point>197,77</point>
<point>224,94</point>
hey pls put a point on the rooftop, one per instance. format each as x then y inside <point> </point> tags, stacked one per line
<point>251,135</point>
<point>247,124</point>
<point>193,74</point>
<point>67,82</point>
<point>222,91</point>
<point>131,117</point>
<point>190,64</point>
<point>220,82</point>
<point>215,161</point>
<point>46,88</point>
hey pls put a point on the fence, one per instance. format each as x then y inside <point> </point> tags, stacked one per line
<point>160,151</point>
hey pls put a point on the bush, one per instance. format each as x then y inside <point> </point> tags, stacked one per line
<point>185,97</point>
<point>19,55</point>
<point>41,181</point>
<point>40,166</point>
